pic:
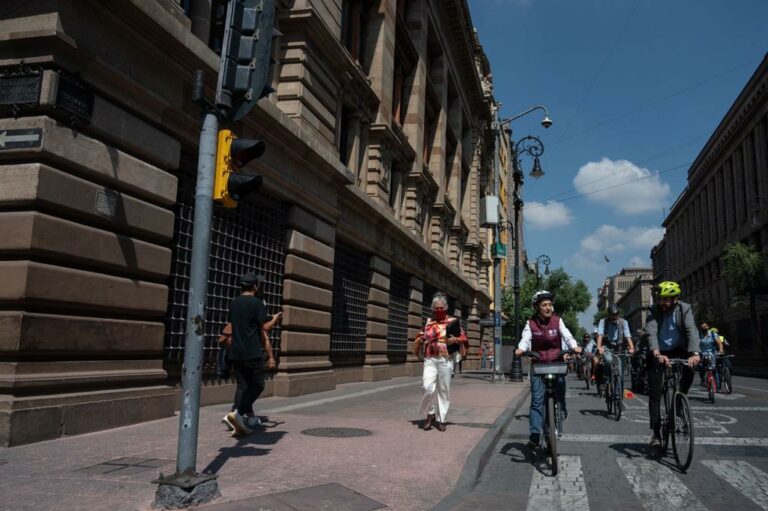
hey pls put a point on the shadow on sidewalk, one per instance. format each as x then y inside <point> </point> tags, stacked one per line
<point>245,448</point>
<point>636,450</point>
<point>519,452</point>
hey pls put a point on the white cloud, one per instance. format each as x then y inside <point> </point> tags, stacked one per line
<point>640,262</point>
<point>608,239</point>
<point>641,191</point>
<point>546,216</point>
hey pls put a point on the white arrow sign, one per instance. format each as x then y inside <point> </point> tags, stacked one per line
<point>5,138</point>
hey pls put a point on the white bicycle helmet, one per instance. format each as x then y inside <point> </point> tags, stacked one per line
<point>541,295</point>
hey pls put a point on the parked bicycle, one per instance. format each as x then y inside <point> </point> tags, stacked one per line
<point>553,418</point>
<point>676,419</point>
<point>614,387</point>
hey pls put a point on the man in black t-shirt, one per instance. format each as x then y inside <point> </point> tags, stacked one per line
<point>249,346</point>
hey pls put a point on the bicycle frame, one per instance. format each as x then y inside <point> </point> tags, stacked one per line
<point>678,423</point>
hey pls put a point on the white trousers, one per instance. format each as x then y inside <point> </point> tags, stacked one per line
<point>436,382</point>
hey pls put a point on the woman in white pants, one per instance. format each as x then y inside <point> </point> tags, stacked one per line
<point>441,339</point>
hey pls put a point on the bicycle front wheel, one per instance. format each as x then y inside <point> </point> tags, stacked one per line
<point>726,381</point>
<point>587,374</point>
<point>608,390</point>
<point>711,389</point>
<point>667,419</point>
<point>617,397</point>
<point>552,433</point>
<point>682,433</point>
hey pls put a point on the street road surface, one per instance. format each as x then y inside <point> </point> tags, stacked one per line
<point>604,464</point>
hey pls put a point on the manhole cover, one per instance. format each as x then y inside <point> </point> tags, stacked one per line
<point>337,432</point>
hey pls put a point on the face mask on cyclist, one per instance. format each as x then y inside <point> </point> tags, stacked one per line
<point>440,314</point>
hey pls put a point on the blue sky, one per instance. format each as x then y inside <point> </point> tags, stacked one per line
<point>635,88</point>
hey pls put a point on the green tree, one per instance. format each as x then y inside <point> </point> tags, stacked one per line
<point>744,268</point>
<point>571,298</point>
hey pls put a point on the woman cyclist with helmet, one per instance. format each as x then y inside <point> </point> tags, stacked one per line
<point>546,334</point>
<point>672,333</point>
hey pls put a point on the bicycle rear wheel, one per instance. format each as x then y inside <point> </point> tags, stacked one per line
<point>552,433</point>
<point>617,397</point>
<point>726,381</point>
<point>682,434</point>
<point>608,391</point>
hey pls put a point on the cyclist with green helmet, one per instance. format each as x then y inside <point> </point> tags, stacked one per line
<point>672,333</point>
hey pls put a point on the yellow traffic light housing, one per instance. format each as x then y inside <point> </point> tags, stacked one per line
<point>232,153</point>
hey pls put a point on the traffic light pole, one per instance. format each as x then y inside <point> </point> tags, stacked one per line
<point>186,487</point>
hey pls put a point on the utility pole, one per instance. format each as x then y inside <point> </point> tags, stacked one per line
<point>243,68</point>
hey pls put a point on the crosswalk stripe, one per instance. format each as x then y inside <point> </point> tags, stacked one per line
<point>748,479</point>
<point>657,487</point>
<point>566,491</point>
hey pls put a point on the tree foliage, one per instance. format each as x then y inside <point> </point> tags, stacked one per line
<point>744,270</point>
<point>571,298</point>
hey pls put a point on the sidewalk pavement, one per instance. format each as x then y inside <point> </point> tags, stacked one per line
<point>280,466</point>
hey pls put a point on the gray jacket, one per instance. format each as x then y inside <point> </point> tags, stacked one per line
<point>683,316</point>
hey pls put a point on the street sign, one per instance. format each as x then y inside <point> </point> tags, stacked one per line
<point>21,139</point>
<point>491,322</point>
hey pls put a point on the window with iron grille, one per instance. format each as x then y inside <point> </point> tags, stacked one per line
<point>397,324</point>
<point>426,302</point>
<point>349,317</point>
<point>251,238</point>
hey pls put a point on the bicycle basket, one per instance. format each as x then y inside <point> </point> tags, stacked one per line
<point>550,368</point>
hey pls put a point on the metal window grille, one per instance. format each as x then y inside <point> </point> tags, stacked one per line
<point>251,238</point>
<point>397,324</point>
<point>464,318</point>
<point>426,302</point>
<point>349,317</point>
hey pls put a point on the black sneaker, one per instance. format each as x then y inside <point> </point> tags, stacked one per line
<point>655,442</point>
<point>533,441</point>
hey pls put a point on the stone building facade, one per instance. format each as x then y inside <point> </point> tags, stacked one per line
<point>378,151</point>
<point>726,201</point>
<point>636,302</point>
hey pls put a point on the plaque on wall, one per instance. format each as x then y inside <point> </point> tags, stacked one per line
<point>20,88</point>
<point>73,97</point>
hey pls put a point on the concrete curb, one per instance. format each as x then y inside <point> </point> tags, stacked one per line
<point>478,458</point>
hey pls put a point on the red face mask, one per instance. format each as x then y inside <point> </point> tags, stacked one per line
<point>440,314</point>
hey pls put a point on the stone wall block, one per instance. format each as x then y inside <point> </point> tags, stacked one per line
<point>309,224</point>
<point>301,318</point>
<point>297,293</point>
<point>309,248</point>
<point>378,297</point>
<point>377,313</point>
<point>42,187</point>
<point>36,283</point>
<point>301,269</point>
<point>94,160</point>
<point>376,329</point>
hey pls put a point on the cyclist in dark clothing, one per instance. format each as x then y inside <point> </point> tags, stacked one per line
<point>672,333</point>
<point>250,343</point>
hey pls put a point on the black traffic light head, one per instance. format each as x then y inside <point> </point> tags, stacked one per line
<point>229,185</point>
<point>246,53</point>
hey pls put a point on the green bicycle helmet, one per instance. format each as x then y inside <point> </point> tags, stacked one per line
<point>668,289</point>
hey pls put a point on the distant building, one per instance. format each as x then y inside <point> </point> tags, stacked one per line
<point>620,283</point>
<point>659,261</point>
<point>636,301</point>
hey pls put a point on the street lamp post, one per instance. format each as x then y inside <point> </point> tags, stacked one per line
<point>534,147</point>
<point>545,260</point>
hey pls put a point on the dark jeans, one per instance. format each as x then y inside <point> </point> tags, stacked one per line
<point>656,382</point>
<point>250,376</point>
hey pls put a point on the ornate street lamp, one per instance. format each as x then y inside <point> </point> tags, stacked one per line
<point>546,261</point>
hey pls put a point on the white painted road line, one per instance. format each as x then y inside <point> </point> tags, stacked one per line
<point>566,491</point>
<point>748,479</point>
<point>634,439</point>
<point>657,487</point>
<point>750,388</point>
<point>730,408</point>
<point>316,402</point>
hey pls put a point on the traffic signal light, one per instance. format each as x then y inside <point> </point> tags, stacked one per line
<point>246,53</point>
<point>232,153</point>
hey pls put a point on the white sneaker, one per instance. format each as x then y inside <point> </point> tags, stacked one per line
<point>225,421</point>
<point>252,421</point>
<point>237,421</point>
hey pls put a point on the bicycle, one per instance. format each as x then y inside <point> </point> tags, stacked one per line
<point>614,391</point>
<point>726,384</point>
<point>710,378</point>
<point>586,369</point>
<point>676,419</point>
<point>553,415</point>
